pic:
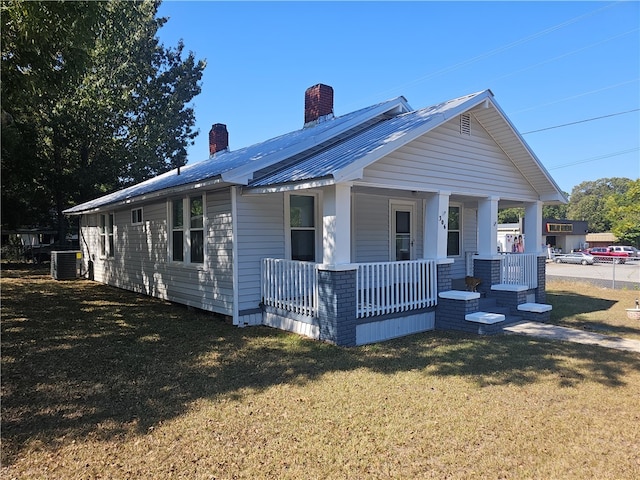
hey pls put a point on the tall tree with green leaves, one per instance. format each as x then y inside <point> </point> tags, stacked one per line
<point>588,201</point>
<point>624,214</point>
<point>109,108</point>
<point>46,48</point>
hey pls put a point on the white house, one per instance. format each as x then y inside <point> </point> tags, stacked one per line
<point>351,230</point>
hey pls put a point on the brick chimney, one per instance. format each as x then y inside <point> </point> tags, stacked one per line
<point>218,138</point>
<point>318,102</point>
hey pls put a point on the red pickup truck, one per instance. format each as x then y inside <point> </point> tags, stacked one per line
<point>605,254</point>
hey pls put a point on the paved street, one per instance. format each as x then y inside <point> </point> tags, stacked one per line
<point>604,274</point>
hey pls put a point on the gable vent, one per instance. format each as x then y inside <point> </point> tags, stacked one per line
<point>465,124</point>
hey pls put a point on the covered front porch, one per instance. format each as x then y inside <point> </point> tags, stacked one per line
<point>364,303</point>
<point>386,255</point>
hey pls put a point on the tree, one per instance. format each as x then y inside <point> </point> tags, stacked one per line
<point>558,212</point>
<point>108,109</point>
<point>624,214</point>
<point>45,50</point>
<point>510,215</point>
<point>588,201</point>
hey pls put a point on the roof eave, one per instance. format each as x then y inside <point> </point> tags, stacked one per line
<point>131,201</point>
<point>558,195</point>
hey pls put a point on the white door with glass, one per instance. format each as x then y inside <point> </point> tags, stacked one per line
<point>402,231</point>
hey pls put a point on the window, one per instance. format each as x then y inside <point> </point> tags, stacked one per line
<point>177,231</point>
<point>136,216</point>
<point>453,234</point>
<point>187,237</point>
<point>196,232</point>
<point>302,227</point>
<point>107,245</point>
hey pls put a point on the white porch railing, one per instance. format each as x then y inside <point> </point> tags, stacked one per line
<point>519,269</point>
<point>388,287</point>
<point>290,285</point>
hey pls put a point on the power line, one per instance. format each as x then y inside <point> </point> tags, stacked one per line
<point>581,121</point>
<point>500,49</point>
<point>593,159</point>
<point>577,96</point>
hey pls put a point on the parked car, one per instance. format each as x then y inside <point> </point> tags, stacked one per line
<point>631,251</point>
<point>607,254</point>
<point>576,257</point>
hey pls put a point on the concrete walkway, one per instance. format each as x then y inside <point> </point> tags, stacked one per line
<point>555,332</point>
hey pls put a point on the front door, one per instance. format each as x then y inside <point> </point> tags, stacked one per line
<point>402,241</point>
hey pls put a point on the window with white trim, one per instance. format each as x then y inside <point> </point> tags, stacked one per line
<point>106,228</point>
<point>187,229</point>
<point>454,233</point>
<point>136,216</point>
<point>301,224</point>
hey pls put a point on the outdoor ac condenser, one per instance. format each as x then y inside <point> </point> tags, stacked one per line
<point>65,264</point>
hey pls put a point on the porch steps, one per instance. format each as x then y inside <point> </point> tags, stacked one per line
<point>489,305</point>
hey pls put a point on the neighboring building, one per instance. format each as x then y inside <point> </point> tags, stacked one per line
<point>349,230</point>
<point>565,235</point>
<point>603,239</point>
<point>559,235</point>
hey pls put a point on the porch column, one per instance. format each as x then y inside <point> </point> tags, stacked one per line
<point>336,224</point>
<point>488,226</point>
<point>533,228</point>
<point>436,226</point>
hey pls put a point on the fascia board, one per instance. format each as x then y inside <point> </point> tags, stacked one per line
<point>243,175</point>
<point>289,187</point>
<point>145,197</point>
<point>355,170</point>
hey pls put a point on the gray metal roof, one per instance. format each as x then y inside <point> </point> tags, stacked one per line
<point>372,143</point>
<point>237,167</point>
<point>337,149</point>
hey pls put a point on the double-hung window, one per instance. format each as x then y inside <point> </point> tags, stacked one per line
<point>136,216</point>
<point>302,227</point>
<point>454,233</point>
<point>187,229</point>
<point>106,228</point>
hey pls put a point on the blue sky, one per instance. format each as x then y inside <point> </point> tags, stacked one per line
<point>547,63</point>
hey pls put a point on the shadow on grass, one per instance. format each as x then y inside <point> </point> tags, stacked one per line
<point>82,360</point>
<point>572,305</point>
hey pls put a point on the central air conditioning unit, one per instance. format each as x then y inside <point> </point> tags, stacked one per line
<point>65,265</point>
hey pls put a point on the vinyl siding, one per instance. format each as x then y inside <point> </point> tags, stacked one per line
<point>371,235</point>
<point>372,227</point>
<point>444,159</point>
<point>141,258</point>
<point>260,227</point>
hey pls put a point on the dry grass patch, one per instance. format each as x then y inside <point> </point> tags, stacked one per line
<point>102,383</point>
<point>592,308</point>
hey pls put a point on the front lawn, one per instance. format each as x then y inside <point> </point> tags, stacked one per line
<point>102,383</point>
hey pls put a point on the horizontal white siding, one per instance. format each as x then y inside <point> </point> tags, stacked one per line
<point>371,235</point>
<point>260,226</point>
<point>372,225</point>
<point>141,259</point>
<point>444,159</point>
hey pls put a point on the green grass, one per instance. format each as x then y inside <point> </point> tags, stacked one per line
<point>102,383</point>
